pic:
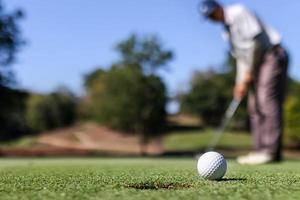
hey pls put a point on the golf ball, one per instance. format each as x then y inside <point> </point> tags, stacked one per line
<point>212,166</point>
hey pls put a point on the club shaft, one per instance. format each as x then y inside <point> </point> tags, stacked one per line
<point>228,116</point>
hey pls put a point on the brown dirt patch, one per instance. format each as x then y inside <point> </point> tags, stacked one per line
<point>92,137</point>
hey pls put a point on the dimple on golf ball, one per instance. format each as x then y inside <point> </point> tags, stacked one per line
<point>212,166</point>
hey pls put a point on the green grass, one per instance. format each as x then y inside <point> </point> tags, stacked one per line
<point>23,142</point>
<point>194,140</point>
<point>142,179</point>
<point>174,141</point>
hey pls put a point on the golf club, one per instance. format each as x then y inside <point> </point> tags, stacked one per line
<point>227,118</point>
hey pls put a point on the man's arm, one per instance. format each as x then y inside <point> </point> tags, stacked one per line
<point>247,65</point>
<point>256,41</point>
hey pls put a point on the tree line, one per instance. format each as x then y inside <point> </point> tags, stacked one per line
<point>128,95</point>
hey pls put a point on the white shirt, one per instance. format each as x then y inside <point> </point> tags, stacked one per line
<point>243,29</point>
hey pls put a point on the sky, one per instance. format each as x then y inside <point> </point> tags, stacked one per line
<point>67,39</point>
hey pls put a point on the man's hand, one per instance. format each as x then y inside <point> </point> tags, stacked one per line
<point>240,90</point>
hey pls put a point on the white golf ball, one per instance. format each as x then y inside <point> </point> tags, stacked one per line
<point>212,166</point>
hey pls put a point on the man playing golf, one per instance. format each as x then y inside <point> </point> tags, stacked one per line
<point>262,66</point>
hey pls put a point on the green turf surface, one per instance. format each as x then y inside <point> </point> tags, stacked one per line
<point>198,139</point>
<point>23,142</point>
<point>153,178</point>
<point>173,141</point>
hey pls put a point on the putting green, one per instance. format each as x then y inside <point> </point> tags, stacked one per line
<point>142,179</point>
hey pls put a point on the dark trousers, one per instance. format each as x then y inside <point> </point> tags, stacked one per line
<point>266,101</point>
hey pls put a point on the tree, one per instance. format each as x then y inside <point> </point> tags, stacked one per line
<point>292,119</point>
<point>12,113</point>
<point>129,96</point>
<point>292,113</point>
<point>210,94</point>
<point>46,112</point>
<point>147,52</point>
<point>10,41</point>
<point>12,103</point>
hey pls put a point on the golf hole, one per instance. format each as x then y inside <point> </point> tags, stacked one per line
<point>158,186</point>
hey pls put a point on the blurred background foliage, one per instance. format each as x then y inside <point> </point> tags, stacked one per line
<point>47,112</point>
<point>210,94</point>
<point>292,114</point>
<point>129,95</point>
<point>12,102</point>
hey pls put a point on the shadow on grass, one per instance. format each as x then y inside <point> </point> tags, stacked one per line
<point>172,186</point>
<point>232,180</point>
<point>158,186</point>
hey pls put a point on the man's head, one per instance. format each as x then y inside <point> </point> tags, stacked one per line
<point>213,10</point>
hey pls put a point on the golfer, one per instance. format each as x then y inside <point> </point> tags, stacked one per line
<point>261,70</point>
